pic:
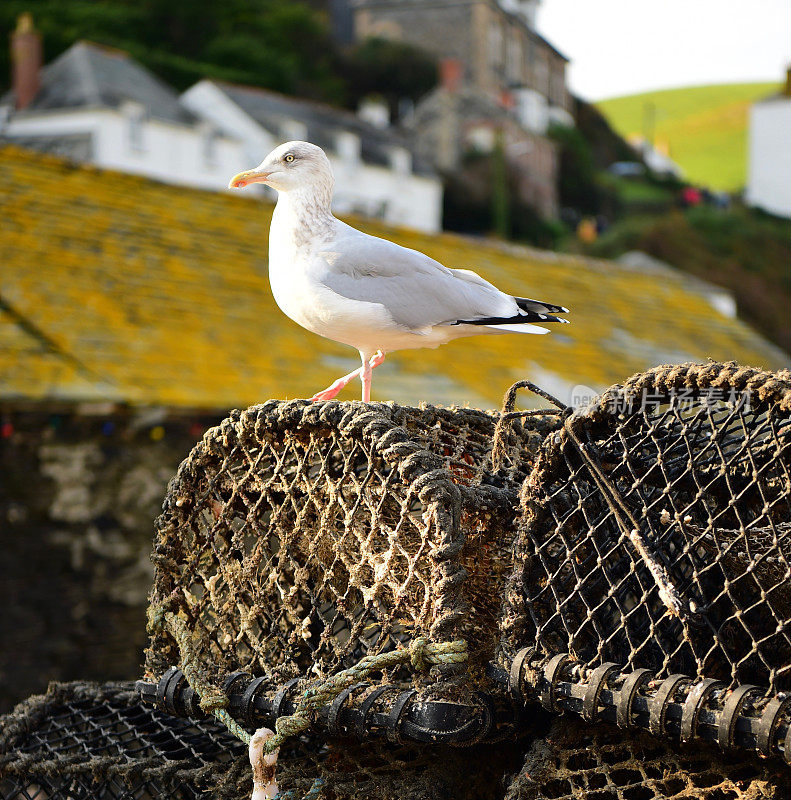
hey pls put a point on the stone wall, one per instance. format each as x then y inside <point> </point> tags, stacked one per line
<point>498,49</point>
<point>443,29</point>
<point>79,491</point>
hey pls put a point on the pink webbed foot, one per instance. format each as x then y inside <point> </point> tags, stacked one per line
<point>330,392</point>
<point>334,389</point>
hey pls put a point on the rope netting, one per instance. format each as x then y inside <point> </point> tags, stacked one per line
<point>653,556</point>
<point>98,742</point>
<point>337,542</point>
<point>575,761</point>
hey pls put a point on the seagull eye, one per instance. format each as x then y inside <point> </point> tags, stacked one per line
<point>288,158</point>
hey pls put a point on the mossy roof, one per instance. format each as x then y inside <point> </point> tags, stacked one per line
<point>114,287</point>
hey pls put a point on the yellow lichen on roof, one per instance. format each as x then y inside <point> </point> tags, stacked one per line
<point>158,295</point>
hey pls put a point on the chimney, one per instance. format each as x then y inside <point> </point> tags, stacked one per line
<point>507,100</point>
<point>25,60</point>
<point>451,72</point>
<point>787,88</point>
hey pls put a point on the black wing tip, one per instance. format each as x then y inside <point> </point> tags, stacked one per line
<point>525,318</point>
<point>526,304</point>
<point>546,318</point>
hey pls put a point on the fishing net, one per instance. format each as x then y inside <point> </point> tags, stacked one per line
<point>98,742</point>
<point>299,540</point>
<point>652,579</point>
<point>576,761</point>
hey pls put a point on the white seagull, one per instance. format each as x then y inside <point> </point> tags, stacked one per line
<point>366,292</point>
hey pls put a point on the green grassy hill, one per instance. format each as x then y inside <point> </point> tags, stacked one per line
<point>705,127</point>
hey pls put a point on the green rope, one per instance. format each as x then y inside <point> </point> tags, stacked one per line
<point>211,698</point>
<point>421,654</point>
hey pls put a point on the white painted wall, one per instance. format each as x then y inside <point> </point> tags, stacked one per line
<point>165,151</point>
<point>413,201</point>
<point>769,171</point>
<point>176,153</point>
<point>395,195</point>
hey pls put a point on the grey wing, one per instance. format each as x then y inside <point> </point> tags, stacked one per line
<point>417,291</point>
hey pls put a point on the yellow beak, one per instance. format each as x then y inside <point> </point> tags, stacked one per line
<point>243,178</point>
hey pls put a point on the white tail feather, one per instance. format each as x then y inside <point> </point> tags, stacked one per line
<point>518,328</point>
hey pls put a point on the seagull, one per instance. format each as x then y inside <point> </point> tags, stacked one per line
<point>363,291</point>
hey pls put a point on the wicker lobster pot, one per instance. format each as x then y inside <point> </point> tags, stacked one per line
<point>298,538</point>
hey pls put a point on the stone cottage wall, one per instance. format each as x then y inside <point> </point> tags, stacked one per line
<point>79,490</point>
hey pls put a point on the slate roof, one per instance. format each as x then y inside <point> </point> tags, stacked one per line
<point>323,123</point>
<point>89,75</point>
<point>119,288</point>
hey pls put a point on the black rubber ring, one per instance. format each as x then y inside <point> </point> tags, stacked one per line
<point>396,712</point>
<point>365,708</point>
<point>787,746</point>
<point>487,719</point>
<point>767,727</point>
<point>551,674</point>
<point>733,706</point>
<point>659,703</point>
<point>335,707</point>
<point>192,703</point>
<point>227,684</point>
<point>162,686</point>
<point>515,674</point>
<point>175,683</point>
<point>247,705</point>
<point>627,694</point>
<point>278,701</point>
<point>596,682</point>
<point>692,705</point>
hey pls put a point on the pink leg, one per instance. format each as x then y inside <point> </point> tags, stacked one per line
<point>365,373</point>
<point>332,390</point>
<point>368,364</point>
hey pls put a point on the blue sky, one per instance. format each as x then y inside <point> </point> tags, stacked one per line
<point>626,46</point>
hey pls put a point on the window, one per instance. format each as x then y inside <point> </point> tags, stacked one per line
<point>135,115</point>
<point>513,64</point>
<point>495,44</point>
<point>401,160</point>
<point>348,146</point>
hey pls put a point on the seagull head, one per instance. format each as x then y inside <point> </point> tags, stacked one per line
<point>293,165</point>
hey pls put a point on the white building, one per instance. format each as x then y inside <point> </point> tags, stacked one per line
<point>769,170</point>
<point>98,105</point>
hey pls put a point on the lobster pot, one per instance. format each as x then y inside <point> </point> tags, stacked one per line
<point>656,530</point>
<point>602,763</point>
<point>98,742</point>
<point>298,538</point>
